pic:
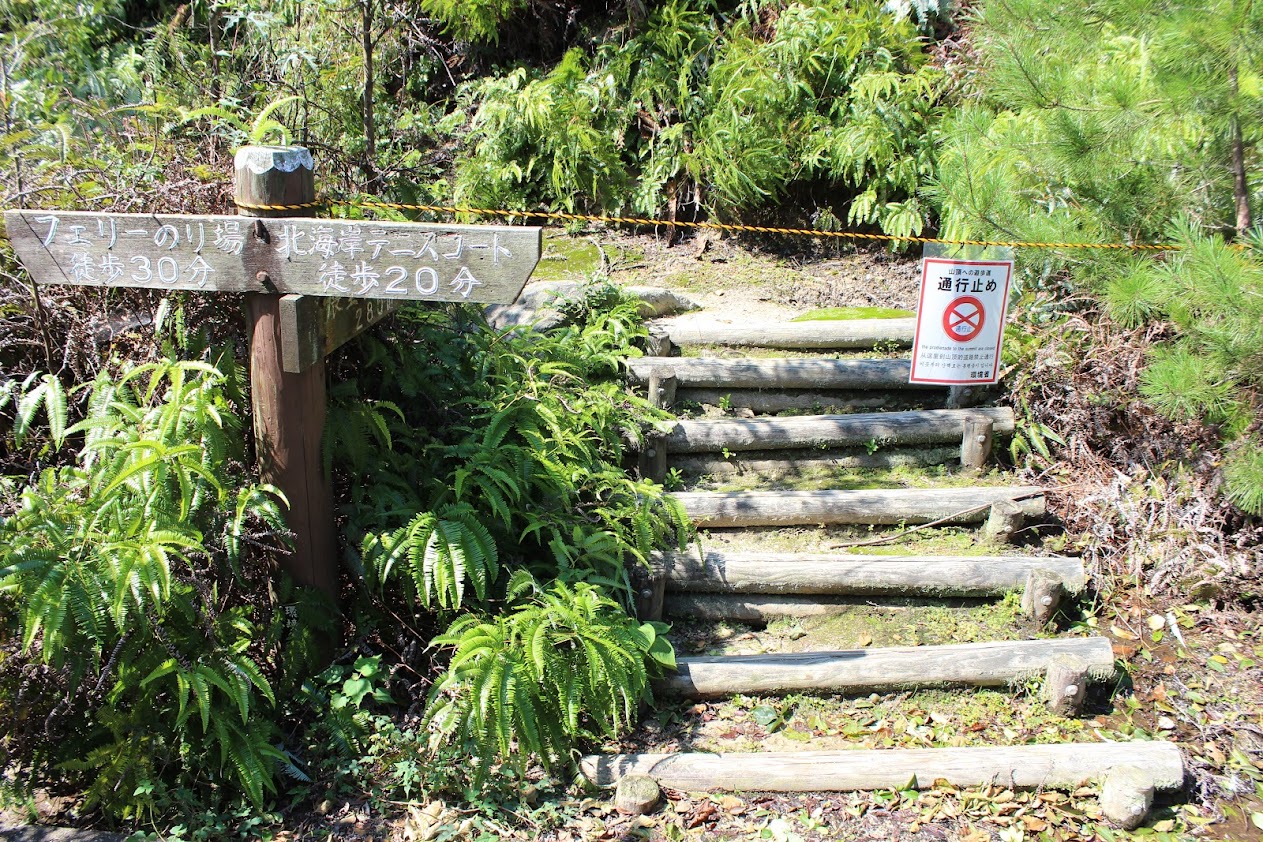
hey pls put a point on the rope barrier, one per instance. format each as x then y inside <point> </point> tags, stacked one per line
<point>559,216</point>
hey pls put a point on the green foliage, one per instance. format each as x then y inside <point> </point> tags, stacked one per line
<point>829,92</point>
<point>472,20</point>
<point>118,570</point>
<point>1123,121</point>
<point>497,465</point>
<point>566,664</point>
<point>524,472</point>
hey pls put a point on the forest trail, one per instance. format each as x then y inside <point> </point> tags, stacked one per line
<point>829,535</point>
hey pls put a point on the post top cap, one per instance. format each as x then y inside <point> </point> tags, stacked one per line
<point>260,159</point>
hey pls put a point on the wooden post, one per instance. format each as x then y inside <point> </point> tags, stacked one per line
<point>662,386</point>
<point>1042,595</point>
<point>1066,684</point>
<point>289,409</point>
<point>1003,520</point>
<point>650,584</point>
<point>653,457</point>
<point>658,343</point>
<point>975,445</point>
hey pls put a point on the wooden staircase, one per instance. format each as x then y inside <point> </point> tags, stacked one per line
<point>758,586</point>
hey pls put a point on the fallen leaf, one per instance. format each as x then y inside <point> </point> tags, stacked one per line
<point>704,812</point>
<point>1122,633</point>
<point>1156,622</point>
<point>732,804</point>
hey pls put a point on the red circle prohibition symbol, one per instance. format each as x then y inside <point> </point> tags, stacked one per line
<point>963,318</point>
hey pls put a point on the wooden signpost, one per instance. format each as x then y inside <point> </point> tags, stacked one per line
<point>309,285</point>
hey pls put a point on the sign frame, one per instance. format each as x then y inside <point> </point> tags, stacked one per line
<point>947,283</point>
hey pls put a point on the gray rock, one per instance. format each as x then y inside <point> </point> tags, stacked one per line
<point>534,305</point>
<point>1127,796</point>
<point>14,829</point>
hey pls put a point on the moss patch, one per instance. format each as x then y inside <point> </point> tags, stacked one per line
<point>840,314</point>
<point>891,622</point>
<point>818,478</point>
<point>567,258</point>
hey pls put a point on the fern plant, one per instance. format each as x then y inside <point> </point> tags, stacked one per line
<point>524,471</point>
<point>824,93</point>
<point>120,569</point>
<point>565,664</point>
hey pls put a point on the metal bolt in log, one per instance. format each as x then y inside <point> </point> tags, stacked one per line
<point>1065,685</point>
<point>289,409</point>
<point>662,386</point>
<point>1005,519</point>
<point>975,445</point>
<point>1042,596</point>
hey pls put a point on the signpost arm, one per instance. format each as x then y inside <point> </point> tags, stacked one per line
<point>288,408</point>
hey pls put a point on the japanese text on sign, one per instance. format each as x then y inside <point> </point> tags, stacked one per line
<point>960,321</point>
<point>313,256</point>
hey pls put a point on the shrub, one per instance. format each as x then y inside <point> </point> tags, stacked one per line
<point>125,578</point>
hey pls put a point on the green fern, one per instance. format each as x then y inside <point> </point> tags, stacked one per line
<point>113,566</point>
<point>568,664</point>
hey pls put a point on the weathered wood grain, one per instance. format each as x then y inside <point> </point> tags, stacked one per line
<point>811,573</point>
<point>709,372</point>
<point>760,608</point>
<point>851,400</point>
<point>992,664</point>
<point>886,429</point>
<point>324,257</point>
<point>858,333</point>
<point>789,463</point>
<point>313,327</point>
<point>1062,766</point>
<point>884,506</point>
<point>976,440</point>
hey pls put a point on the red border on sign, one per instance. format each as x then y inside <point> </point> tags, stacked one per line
<point>1004,312</point>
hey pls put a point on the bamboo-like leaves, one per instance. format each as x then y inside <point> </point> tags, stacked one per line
<point>103,558</point>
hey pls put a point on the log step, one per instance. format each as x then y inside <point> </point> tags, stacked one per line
<point>802,573</point>
<point>816,402</point>
<point>777,464</point>
<point>856,333</point>
<point>991,664</point>
<point>709,372</point>
<point>1065,766</point>
<point>753,608</point>
<point>925,426</point>
<point>884,506</point>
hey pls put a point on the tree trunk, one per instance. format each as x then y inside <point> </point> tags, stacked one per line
<point>370,124</point>
<point>1240,187</point>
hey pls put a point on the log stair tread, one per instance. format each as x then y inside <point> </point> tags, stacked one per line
<point>924,426</point>
<point>1063,766</point>
<point>877,506</point>
<point>990,664</point>
<point>819,335</point>
<point>823,573</point>
<point>780,373</point>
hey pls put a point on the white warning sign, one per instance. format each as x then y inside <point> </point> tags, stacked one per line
<point>960,321</point>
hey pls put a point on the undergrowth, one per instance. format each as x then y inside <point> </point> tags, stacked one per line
<point>485,481</point>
